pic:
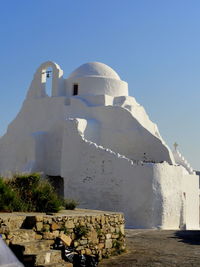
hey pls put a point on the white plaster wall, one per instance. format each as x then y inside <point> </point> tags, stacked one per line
<point>104,179</point>
<point>98,100</point>
<point>121,132</point>
<point>138,111</point>
<point>19,145</point>
<point>150,195</point>
<point>191,199</point>
<point>112,127</point>
<point>97,86</point>
<point>171,183</point>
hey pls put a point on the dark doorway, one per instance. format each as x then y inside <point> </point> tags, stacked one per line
<point>75,89</point>
<point>58,184</point>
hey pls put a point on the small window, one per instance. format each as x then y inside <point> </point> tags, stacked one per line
<point>75,89</point>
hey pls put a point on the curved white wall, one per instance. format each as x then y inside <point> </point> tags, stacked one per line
<point>97,86</point>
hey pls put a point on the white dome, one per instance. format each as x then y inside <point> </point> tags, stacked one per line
<point>94,69</point>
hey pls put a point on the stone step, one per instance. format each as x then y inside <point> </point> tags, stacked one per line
<point>32,247</point>
<point>62,264</point>
<point>21,235</point>
<point>43,258</point>
<point>48,257</point>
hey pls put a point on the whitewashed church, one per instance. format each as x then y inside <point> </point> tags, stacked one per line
<point>111,156</point>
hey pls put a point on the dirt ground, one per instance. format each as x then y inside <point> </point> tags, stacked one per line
<point>157,248</point>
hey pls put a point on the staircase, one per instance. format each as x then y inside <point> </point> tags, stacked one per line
<point>32,252</point>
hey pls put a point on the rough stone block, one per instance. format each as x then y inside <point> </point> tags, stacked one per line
<point>54,226</point>
<point>88,251</point>
<point>83,242</point>
<point>39,218</point>
<point>101,245</point>
<point>39,226</point>
<point>108,236</point>
<point>80,248</point>
<point>108,243</point>
<point>122,228</point>
<point>92,236</point>
<point>66,239</point>
<point>69,224</point>
<point>38,237</point>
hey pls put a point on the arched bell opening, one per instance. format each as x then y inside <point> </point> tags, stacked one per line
<point>47,79</point>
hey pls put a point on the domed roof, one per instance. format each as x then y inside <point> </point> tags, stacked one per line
<point>94,69</point>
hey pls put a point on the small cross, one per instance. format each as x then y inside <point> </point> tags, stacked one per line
<point>175,146</point>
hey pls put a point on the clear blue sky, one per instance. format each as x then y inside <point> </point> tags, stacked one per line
<point>153,45</point>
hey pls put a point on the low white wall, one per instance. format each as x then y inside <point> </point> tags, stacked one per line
<point>179,196</point>
<point>191,199</point>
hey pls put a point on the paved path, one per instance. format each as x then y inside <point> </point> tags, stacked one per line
<point>155,248</point>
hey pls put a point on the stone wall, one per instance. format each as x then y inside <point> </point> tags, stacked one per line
<point>92,234</point>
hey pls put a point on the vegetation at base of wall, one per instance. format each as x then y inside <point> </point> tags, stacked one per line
<point>70,204</point>
<point>30,193</point>
<point>24,186</point>
<point>45,199</point>
<point>9,200</point>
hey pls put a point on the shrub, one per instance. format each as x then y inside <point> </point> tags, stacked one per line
<point>9,200</point>
<point>45,198</point>
<point>70,204</point>
<point>24,186</point>
<point>28,193</point>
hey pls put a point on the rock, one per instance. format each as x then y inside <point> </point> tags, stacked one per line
<point>38,237</point>
<point>108,236</point>
<point>100,246</point>
<point>39,218</point>
<point>76,244</point>
<point>88,251</point>
<point>108,243</point>
<point>54,226</point>
<point>49,235</point>
<point>66,240</point>
<point>39,226</point>
<point>80,248</point>
<point>92,237</point>
<point>69,224</point>
<point>121,227</point>
<point>83,242</point>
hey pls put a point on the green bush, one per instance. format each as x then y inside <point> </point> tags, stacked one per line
<point>70,204</point>
<point>24,186</point>
<point>28,193</point>
<point>45,198</point>
<point>9,200</point>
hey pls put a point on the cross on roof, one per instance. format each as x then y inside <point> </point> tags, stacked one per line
<point>175,146</point>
